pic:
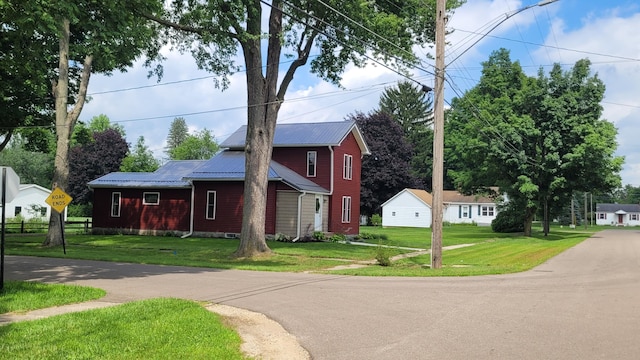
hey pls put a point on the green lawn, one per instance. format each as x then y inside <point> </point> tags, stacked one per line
<point>492,253</point>
<point>150,329</point>
<point>21,296</point>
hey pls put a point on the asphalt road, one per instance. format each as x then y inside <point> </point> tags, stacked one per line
<point>582,304</point>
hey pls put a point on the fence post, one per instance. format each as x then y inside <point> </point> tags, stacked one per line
<point>22,227</point>
<point>86,226</point>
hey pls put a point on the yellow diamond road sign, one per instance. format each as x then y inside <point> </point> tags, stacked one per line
<point>58,199</point>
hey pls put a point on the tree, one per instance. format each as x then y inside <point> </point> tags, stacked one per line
<point>215,31</point>
<point>178,133</point>
<point>84,37</point>
<point>410,106</point>
<point>25,67</point>
<point>140,159</point>
<point>201,146</point>
<point>88,162</point>
<point>538,138</point>
<point>387,170</point>
<point>33,167</point>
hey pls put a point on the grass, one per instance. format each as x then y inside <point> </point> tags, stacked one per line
<point>22,296</point>
<point>151,329</point>
<point>492,253</point>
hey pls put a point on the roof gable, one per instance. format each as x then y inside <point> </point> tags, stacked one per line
<point>304,135</point>
<point>421,195</point>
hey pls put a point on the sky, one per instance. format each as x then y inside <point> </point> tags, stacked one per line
<point>565,31</point>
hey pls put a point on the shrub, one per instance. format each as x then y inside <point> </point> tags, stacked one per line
<point>319,236</point>
<point>383,255</point>
<point>376,220</point>
<point>508,220</point>
<point>338,238</point>
<point>79,210</point>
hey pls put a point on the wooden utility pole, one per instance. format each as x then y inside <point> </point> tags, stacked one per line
<point>585,210</point>
<point>438,140</point>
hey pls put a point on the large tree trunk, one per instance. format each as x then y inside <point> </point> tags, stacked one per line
<point>528,220</point>
<point>263,106</point>
<point>65,121</point>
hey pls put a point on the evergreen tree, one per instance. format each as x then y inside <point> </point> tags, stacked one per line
<point>178,133</point>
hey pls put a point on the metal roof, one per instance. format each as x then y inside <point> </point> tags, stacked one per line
<point>169,175</point>
<point>303,134</point>
<point>612,208</point>
<point>229,165</point>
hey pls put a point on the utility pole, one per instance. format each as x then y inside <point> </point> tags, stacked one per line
<point>585,211</point>
<point>438,139</point>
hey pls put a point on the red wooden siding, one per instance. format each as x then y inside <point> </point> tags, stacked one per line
<point>172,213</point>
<point>296,160</point>
<point>229,200</point>
<point>342,187</point>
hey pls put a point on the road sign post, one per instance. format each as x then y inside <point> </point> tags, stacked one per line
<point>58,200</point>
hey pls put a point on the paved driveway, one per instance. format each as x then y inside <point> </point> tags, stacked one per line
<point>582,304</point>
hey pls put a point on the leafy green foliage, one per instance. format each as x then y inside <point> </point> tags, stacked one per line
<point>376,220</point>
<point>201,146</point>
<point>538,139</point>
<point>509,220</point>
<point>383,255</point>
<point>178,133</point>
<point>140,159</point>
<point>33,167</point>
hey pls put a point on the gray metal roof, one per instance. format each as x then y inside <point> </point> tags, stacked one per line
<point>303,134</point>
<point>169,175</point>
<point>612,208</point>
<point>229,165</point>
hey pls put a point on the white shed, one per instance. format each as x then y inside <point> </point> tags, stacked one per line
<point>30,203</point>
<point>409,208</point>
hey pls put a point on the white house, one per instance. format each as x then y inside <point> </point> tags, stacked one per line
<point>618,214</point>
<point>30,203</point>
<point>412,208</point>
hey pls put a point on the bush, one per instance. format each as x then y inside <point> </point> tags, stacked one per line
<point>79,210</point>
<point>508,220</point>
<point>319,236</point>
<point>376,220</point>
<point>383,255</point>
<point>338,238</point>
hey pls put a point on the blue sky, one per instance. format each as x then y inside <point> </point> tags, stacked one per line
<point>563,32</point>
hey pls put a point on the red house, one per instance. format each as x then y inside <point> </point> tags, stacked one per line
<point>314,185</point>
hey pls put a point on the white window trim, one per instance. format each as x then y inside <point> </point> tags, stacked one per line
<point>315,163</point>
<point>347,169</point>
<point>346,209</point>
<point>144,198</point>
<point>634,217</point>
<point>113,194</point>
<point>215,205</point>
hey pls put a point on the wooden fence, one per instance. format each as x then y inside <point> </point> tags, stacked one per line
<point>24,227</point>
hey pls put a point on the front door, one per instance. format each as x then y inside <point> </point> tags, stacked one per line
<point>620,219</point>
<point>318,216</point>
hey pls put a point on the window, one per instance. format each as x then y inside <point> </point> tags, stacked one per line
<point>346,209</point>
<point>417,214</point>
<point>17,211</point>
<point>347,169</point>
<point>43,211</point>
<point>393,213</point>
<point>634,217</point>
<point>487,211</point>
<point>602,216</point>
<point>115,204</point>
<point>150,198</point>
<point>311,163</point>
<point>211,205</point>
<point>465,211</point>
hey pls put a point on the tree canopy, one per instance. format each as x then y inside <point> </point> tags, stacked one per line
<point>353,32</point>
<point>538,138</point>
<point>200,146</point>
<point>140,159</point>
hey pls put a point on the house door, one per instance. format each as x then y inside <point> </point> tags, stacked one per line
<point>318,215</point>
<point>620,219</point>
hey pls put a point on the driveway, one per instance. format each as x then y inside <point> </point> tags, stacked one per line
<point>582,304</point>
